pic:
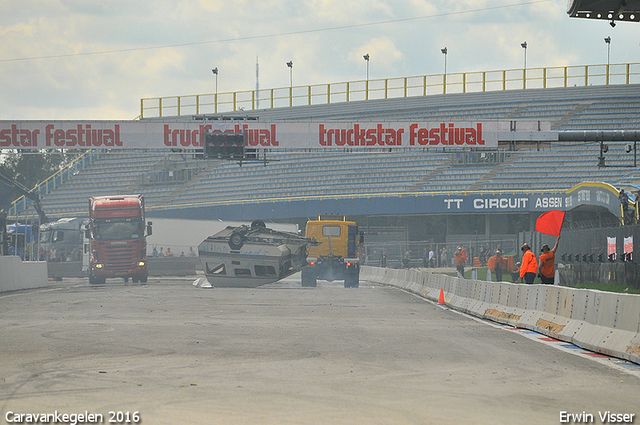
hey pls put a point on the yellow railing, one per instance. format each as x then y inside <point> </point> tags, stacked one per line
<point>423,85</point>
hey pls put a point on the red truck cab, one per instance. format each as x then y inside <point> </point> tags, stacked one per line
<point>117,238</point>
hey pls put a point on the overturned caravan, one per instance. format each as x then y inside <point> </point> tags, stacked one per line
<point>250,256</point>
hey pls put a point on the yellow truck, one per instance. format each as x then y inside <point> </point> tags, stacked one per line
<point>336,257</point>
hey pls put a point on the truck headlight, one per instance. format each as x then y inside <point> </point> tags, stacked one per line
<point>98,266</point>
<point>141,264</point>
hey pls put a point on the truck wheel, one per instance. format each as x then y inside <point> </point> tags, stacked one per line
<point>309,277</point>
<point>236,240</point>
<point>126,279</point>
<point>257,223</point>
<point>96,281</point>
<point>352,281</point>
<point>144,278</point>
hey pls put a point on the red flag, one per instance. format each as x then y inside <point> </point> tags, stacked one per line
<point>550,223</point>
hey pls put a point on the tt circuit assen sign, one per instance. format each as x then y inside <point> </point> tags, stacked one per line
<point>267,135</point>
<point>586,193</point>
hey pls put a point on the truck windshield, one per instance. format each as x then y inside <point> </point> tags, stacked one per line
<point>114,229</point>
<point>45,236</point>
<point>331,230</point>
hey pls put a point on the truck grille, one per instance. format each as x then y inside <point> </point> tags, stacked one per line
<point>119,258</point>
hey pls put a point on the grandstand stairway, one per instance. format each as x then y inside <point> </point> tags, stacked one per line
<point>168,199</point>
<point>163,193</point>
<point>508,161</point>
<point>571,115</point>
<point>419,186</point>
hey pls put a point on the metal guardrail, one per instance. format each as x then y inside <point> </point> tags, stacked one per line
<point>422,85</point>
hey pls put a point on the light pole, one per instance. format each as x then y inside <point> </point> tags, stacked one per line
<point>524,69</point>
<point>366,83</point>
<point>608,41</point>
<point>215,100</point>
<point>290,65</point>
<point>444,76</point>
<point>366,58</point>
<point>444,52</point>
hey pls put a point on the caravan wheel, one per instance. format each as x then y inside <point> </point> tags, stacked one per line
<point>236,240</point>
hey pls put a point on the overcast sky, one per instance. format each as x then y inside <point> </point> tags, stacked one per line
<point>85,59</point>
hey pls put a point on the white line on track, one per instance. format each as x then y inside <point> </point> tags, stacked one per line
<point>620,365</point>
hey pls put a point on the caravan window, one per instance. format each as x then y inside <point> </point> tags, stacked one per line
<point>264,270</point>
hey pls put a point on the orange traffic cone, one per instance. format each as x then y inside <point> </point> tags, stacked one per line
<point>441,297</point>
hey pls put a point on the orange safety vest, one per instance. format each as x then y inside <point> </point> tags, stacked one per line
<point>495,263</point>
<point>547,262</point>
<point>529,263</point>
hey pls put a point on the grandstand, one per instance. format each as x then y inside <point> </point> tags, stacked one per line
<point>294,185</point>
<point>173,180</point>
<point>613,107</point>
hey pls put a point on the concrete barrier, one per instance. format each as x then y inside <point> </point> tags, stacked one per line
<point>603,322</point>
<point>57,271</point>
<point>16,275</point>
<point>167,266</point>
<point>173,266</point>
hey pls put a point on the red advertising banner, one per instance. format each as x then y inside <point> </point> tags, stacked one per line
<point>628,245</point>
<point>611,248</point>
<point>298,135</point>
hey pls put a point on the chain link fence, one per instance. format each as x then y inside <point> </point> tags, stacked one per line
<point>480,248</point>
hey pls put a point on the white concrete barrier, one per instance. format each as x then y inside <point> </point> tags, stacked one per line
<point>16,274</point>
<point>603,322</point>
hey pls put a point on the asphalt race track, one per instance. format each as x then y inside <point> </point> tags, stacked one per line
<point>283,354</point>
